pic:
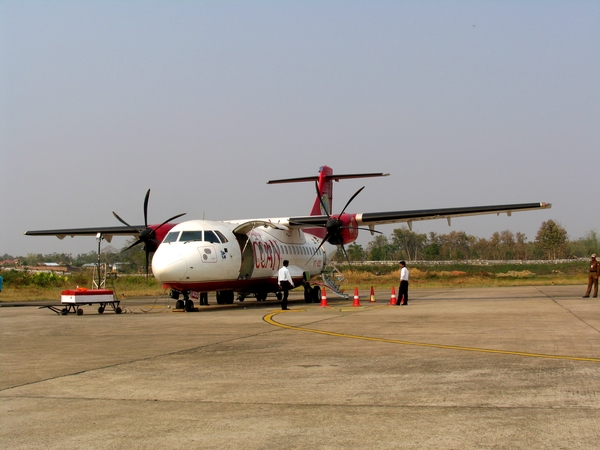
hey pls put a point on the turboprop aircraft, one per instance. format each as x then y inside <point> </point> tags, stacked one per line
<point>243,256</point>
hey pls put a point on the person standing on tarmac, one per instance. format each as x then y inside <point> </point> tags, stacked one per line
<point>403,289</point>
<point>593,280</point>
<point>284,280</point>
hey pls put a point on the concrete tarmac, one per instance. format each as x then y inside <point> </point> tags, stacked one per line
<point>515,368</point>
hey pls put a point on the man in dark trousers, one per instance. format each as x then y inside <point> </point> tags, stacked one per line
<point>593,280</point>
<point>284,280</point>
<point>403,289</point>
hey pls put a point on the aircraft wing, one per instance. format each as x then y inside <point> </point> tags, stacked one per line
<point>107,232</point>
<point>380,218</point>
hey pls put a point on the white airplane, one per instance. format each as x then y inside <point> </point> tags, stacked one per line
<point>243,256</point>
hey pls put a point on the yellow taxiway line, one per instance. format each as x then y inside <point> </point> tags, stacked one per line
<point>269,319</point>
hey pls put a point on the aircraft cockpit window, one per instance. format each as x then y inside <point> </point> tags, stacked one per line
<point>210,236</point>
<point>222,236</point>
<point>171,237</point>
<point>188,236</point>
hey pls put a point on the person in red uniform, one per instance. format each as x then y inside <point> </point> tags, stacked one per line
<point>593,281</point>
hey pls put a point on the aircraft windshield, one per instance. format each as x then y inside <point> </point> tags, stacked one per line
<point>172,237</point>
<point>221,236</point>
<point>210,236</point>
<point>187,236</point>
<point>214,237</point>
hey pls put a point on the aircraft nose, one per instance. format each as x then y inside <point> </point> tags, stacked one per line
<point>169,269</point>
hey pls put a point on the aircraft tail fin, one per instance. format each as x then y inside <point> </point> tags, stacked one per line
<point>325,179</point>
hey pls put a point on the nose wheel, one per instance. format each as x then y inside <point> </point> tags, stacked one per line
<point>186,303</point>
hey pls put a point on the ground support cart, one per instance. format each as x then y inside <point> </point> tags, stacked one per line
<point>73,300</point>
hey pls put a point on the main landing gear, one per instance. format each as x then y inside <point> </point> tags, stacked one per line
<point>312,294</point>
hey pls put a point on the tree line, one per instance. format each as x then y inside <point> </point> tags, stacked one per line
<point>130,261</point>
<point>551,242</point>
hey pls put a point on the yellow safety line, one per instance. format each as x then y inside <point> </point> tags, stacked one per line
<point>269,319</point>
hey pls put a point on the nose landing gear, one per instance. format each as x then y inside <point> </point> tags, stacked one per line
<point>186,304</point>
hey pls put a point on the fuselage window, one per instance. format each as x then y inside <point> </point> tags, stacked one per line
<point>187,236</point>
<point>171,237</point>
<point>221,236</point>
<point>210,236</point>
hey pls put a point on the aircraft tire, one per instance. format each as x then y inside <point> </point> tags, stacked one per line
<point>308,295</point>
<point>189,305</point>
<point>316,294</point>
<point>179,304</point>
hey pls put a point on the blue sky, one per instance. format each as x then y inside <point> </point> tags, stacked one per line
<point>464,103</point>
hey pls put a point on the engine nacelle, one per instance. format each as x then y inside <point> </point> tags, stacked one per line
<point>342,229</point>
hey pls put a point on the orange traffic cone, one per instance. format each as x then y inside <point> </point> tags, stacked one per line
<point>356,299</point>
<point>403,301</point>
<point>372,297</point>
<point>393,298</point>
<point>324,297</point>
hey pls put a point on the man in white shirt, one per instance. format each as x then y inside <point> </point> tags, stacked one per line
<point>284,280</point>
<point>403,289</point>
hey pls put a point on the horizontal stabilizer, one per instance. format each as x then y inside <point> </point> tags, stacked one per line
<point>335,177</point>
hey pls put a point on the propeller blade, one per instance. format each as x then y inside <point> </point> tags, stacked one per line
<point>146,208</point>
<point>168,220</point>
<point>123,222</point>
<point>345,254</point>
<point>351,198</point>
<point>147,263</point>
<point>139,241</point>
<point>320,199</point>
<point>327,237</point>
